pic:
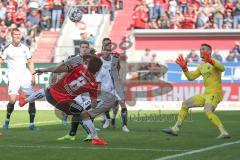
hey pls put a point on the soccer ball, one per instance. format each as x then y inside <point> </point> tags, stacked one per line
<point>75,14</point>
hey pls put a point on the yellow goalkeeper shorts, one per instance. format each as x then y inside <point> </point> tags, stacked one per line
<point>203,99</point>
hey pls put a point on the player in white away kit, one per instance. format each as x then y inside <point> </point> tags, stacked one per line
<point>16,55</point>
<point>111,63</point>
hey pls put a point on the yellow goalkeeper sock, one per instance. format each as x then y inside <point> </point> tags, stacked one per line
<point>216,121</point>
<point>181,117</point>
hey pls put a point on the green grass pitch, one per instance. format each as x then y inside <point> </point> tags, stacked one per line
<point>144,142</point>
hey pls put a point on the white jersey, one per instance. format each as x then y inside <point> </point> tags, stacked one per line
<point>107,64</point>
<point>16,59</point>
<point>105,79</point>
<point>113,80</point>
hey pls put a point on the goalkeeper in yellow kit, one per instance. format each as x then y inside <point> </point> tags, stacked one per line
<point>211,71</point>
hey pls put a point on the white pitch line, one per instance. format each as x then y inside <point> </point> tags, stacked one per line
<point>92,148</point>
<point>40,122</point>
<point>198,150</point>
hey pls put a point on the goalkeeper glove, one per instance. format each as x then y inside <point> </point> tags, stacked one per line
<point>182,63</point>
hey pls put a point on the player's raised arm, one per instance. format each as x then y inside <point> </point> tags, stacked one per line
<point>183,64</point>
<point>58,69</point>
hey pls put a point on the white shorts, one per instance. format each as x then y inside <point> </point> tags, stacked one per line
<point>83,101</point>
<point>17,82</point>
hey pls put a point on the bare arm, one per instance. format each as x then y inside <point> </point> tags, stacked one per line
<point>31,65</point>
<point>58,69</point>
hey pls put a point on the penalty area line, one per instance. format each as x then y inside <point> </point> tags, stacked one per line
<point>171,157</point>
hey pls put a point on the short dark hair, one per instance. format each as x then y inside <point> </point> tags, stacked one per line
<point>207,45</point>
<point>94,65</point>
<point>83,42</point>
<point>106,39</point>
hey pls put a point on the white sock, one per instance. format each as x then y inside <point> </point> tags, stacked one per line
<point>89,124</point>
<point>31,124</point>
<point>104,117</point>
<point>36,95</point>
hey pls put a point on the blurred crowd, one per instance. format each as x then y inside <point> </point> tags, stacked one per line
<point>30,17</point>
<point>186,14</point>
<point>33,16</point>
<point>233,55</point>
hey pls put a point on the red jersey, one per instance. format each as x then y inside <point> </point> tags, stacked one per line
<point>182,1</point>
<point>11,8</point>
<point>19,17</point>
<point>78,81</point>
<point>106,3</point>
<point>188,22</point>
<point>139,21</point>
<point>194,4</point>
<point>229,6</point>
<point>158,2</point>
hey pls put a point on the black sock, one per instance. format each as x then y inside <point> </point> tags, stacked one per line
<point>115,111</point>
<point>107,115</point>
<point>124,116</point>
<point>74,127</point>
<point>10,108</point>
<point>32,111</point>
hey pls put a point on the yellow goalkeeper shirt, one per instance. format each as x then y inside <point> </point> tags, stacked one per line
<point>211,76</point>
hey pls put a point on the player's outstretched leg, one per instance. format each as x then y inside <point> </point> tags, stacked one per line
<point>216,121</point>
<point>34,96</point>
<point>10,108</point>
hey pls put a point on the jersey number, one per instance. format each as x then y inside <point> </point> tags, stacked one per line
<point>76,84</point>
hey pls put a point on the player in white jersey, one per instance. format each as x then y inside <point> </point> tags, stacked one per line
<point>17,55</point>
<point>111,63</point>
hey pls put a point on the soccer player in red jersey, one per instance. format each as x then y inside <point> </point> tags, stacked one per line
<point>77,81</point>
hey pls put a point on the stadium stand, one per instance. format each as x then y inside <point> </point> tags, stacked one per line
<point>186,14</point>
